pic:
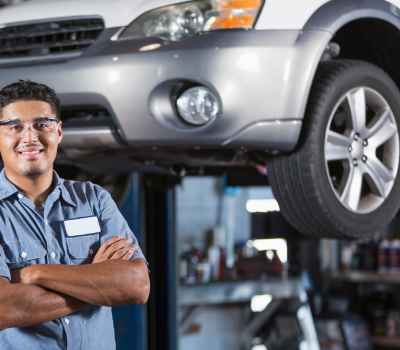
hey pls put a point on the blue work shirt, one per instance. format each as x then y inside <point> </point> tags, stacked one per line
<point>28,238</point>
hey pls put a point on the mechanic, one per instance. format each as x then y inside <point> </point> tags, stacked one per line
<point>58,277</point>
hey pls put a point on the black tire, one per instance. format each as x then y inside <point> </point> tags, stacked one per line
<point>299,180</point>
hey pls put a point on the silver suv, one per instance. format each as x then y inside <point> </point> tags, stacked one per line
<point>308,88</point>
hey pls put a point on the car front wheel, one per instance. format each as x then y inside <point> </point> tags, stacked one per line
<point>342,181</point>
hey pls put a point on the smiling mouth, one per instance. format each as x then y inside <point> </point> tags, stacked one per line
<point>31,152</point>
<point>31,155</point>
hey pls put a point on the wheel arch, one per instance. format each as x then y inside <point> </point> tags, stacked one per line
<point>335,14</point>
<point>374,21</point>
<point>372,40</point>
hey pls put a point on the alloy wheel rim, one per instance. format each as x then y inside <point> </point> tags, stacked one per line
<point>361,150</point>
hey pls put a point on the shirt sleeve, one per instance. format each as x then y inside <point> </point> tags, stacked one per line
<point>4,270</point>
<point>113,223</point>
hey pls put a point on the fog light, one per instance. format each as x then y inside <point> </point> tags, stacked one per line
<point>197,106</point>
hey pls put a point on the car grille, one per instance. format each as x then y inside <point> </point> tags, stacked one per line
<point>50,37</point>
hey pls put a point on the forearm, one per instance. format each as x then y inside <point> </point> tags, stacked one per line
<point>109,283</point>
<point>23,305</point>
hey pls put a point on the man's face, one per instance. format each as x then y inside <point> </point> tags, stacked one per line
<point>16,153</point>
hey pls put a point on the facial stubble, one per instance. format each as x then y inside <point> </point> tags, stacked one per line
<point>32,172</point>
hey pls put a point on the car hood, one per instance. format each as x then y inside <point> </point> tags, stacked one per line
<point>115,13</point>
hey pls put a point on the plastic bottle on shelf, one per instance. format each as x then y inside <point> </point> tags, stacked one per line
<point>222,265</point>
<point>394,256</point>
<point>369,261</point>
<point>191,278</point>
<point>214,256</point>
<point>346,256</point>
<point>197,251</point>
<point>383,256</point>
<point>391,324</point>
<point>184,263</point>
<point>188,264</point>
<point>357,258</point>
<point>214,252</point>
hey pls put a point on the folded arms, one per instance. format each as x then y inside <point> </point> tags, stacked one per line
<point>41,293</point>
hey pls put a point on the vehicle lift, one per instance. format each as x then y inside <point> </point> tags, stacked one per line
<point>149,210</point>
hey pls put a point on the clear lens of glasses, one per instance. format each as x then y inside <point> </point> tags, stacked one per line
<point>17,128</point>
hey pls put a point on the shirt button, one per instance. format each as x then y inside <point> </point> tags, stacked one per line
<point>91,251</point>
<point>20,195</point>
<point>66,320</point>
<point>53,255</point>
<point>45,221</point>
<point>23,254</point>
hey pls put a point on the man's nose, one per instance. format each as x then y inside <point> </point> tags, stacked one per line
<point>29,136</point>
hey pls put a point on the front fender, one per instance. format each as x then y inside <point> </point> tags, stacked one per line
<point>336,13</point>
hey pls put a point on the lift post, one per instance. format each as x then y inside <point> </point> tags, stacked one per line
<point>160,252</point>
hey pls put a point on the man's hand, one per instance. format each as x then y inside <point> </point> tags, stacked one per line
<point>113,249</point>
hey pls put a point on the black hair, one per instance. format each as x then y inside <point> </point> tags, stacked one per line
<point>26,90</point>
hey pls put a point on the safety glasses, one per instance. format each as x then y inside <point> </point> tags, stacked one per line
<point>17,128</point>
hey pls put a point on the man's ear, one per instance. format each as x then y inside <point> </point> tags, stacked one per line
<point>60,133</point>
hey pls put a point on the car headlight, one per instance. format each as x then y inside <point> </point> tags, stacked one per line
<point>177,22</point>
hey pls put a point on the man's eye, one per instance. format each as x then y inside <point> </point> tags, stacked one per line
<point>15,127</point>
<point>42,126</point>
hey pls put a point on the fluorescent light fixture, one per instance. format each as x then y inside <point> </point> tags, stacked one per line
<point>270,254</point>
<point>262,205</point>
<point>260,302</point>
<point>259,347</point>
<point>278,244</point>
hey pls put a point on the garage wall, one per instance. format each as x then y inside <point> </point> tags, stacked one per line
<point>201,205</point>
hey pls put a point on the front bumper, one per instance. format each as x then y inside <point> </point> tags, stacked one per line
<point>262,79</point>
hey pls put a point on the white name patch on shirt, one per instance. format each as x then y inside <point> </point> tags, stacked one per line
<point>82,226</point>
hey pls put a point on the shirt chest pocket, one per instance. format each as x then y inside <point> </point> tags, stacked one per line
<point>22,252</point>
<point>83,249</point>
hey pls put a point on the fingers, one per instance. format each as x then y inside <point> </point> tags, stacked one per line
<point>108,243</point>
<point>118,245</point>
<point>113,248</point>
<point>124,253</point>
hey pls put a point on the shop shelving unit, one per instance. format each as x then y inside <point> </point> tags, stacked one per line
<point>239,291</point>
<point>370,277</point>
<point>195,297</point>
<point>392,342</point>
<point>366,277</point>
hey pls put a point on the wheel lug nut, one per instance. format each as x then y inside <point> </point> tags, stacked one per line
<point>365,143</point>
<point>356,137</point>
<point>350,149</point>
<point>364,158</point>
<point>355,162</point>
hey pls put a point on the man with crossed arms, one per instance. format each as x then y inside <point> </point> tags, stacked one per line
<point>57,286</point>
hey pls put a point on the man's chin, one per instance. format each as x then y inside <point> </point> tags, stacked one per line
<point>32,172</point>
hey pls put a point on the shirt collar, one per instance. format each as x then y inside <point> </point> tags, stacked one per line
<point>65,194</point>
<point>7,189</point>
